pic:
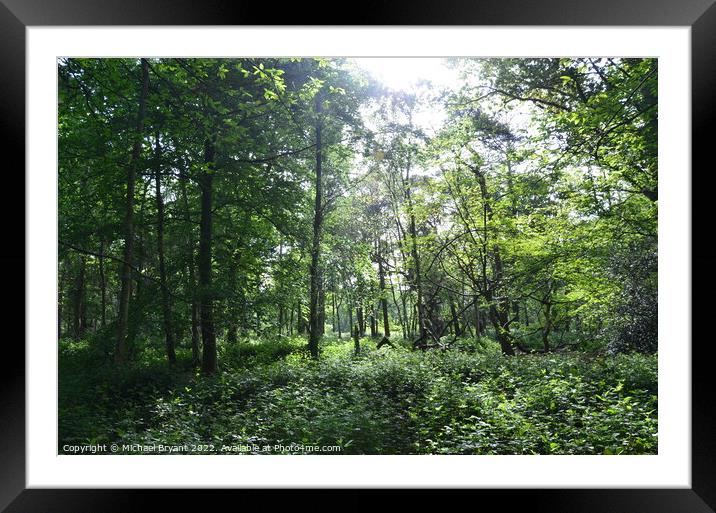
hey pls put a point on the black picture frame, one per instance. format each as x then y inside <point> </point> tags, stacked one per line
<point>700,15</point>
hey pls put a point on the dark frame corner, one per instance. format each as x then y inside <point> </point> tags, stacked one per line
<point>700,15</point>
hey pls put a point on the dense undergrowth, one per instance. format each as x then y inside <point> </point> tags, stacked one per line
<point>466,400</point>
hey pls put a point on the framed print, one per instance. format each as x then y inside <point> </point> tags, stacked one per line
<point>439,248</point>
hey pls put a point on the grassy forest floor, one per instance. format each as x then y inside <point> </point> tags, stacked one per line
<point>466,400</point>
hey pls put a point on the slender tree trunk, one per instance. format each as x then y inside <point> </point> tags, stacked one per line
<point>59,314</point>
<point>78,301</point>
<point>125,277</point>
<point>499,306</point>
<point>102,286</point>
<point>290,323</point>
<point>191,285</point>
<point>361,320</point>
<point>478,324</point>
<point>417,281</point>
<point>137,311</point>
<point>350,317</point>
<point>333,312</point>
<point>166,304</point>
<point>280,319</point>
<point>257,325</point>
<point>373,324</point>
<point>417,278</point>
<point>195,335</point>
<point>383,297</point>
<point>315,270</point>
<point>84,325</point>
<point>281,314</point>
<point>338,318</point>
<point>208,335</point>
<point>244,312</point>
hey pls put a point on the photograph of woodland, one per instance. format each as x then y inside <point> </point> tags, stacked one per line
<point>357,256</point>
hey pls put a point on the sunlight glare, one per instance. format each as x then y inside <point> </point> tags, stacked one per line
<point>401,74</point>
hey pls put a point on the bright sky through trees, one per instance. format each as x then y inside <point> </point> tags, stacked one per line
<point>405,74</point>
<point>401,74</point>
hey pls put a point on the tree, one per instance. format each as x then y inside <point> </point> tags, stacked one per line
<point>128,255</point>
<point>215,200</point>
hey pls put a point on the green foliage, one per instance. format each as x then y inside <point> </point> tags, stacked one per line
<point>249,353</point>
<point>513,212</point>
<point>388,401</point>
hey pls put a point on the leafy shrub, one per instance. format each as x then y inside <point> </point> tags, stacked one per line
<point>249,353</point>
<point>390,401</point>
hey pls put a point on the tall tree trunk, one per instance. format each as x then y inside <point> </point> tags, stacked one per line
<point>373,323</point>
<point>383,296</point>
<point>356,340</point>
<point>338,318</point>
<point>478,323</point>
<point>416,281</point>
<point>417,278</point>
<point>336,315</point>
<point>102,286</point>
<point>281,315</point>
<point>208,335</point>
<point>548,325</point>
<point>290,323</point>
<point>125,277</point>
<point>280,319</point>
<point>59,314</point>
<point>361,320</point>
<point>137,309</point>
<point>78,301</point>
<point>315,270</point>
<point>244,311</point>
<point>166,304</point>
<point>499,306</point>
<point>350,319</point>
<point>333,312</point>
<point>191,285</point>
<point>195,335</point>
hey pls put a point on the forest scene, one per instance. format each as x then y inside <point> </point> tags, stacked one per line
<point>357,256</point>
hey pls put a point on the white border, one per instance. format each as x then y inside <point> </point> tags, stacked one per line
<point>671,467</point>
